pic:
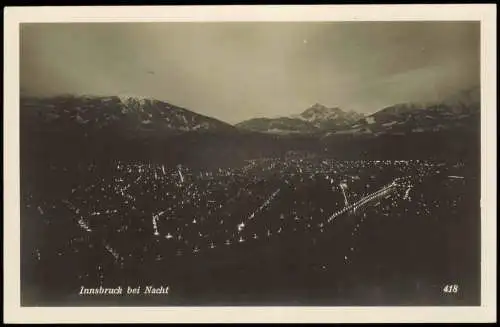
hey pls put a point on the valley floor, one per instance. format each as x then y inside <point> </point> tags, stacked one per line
<point>255,234</point>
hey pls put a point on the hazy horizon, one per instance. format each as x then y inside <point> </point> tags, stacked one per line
<point>238,71</point>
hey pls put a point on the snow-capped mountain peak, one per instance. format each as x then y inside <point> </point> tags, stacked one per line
<point>126,98</point>
<point>319,112</point>
<point>316,118</point>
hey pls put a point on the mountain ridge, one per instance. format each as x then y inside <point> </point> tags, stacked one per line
<point>457,111</point>
<point>130,113</point>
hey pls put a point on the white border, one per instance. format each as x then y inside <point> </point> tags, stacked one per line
<point>15,15</point>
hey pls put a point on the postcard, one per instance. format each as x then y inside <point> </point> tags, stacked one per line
<point>250,163</point>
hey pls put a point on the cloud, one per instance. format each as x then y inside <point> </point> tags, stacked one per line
<point>235,71</point>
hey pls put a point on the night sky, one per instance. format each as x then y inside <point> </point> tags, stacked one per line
<point>237,71</point>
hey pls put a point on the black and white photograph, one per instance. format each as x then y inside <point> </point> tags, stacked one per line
<point>322,163</point>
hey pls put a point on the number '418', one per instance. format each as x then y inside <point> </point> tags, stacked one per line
<point>450,288</point>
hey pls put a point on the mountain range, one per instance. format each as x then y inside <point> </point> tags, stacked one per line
<point>129,114</point>
<point>77,127</point>
<point>460,110</point>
